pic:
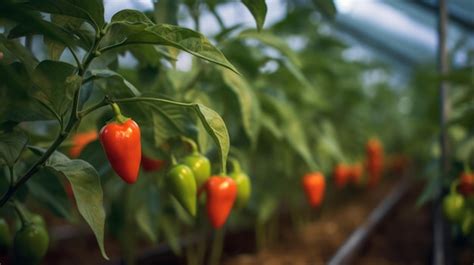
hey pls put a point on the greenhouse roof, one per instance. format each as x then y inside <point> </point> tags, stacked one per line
<point>404,33</point>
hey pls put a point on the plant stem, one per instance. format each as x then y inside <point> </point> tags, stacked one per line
<point>76,58</point>
<point>218,18</point>
<point>36,166</point>
<point>12,175</point>
<point>235,165</point>
<point>21,213</point>
<point>74,120</point>
<point>194,146</point>
<point>216,248</point>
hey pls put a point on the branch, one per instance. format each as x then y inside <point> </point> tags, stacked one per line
<point>74,119</point>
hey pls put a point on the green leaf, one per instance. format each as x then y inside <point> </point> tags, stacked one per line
<point>169,121</point>
<point>129,33</point>
<point>272,41</point>
<point>116,84</point>
<point>215,126</point>
<point>86,187</point>
<point>267,208</point>
<point>11,146</point>
<point>170,230</point>
<point>269,123</point>
<point>131,17</point>
<point>46,188</point>
<point>90,10</point>
<point>292,128</point>
<point>56,48</point>
<point>17,102</point>
<point>56,82</point>
<point>249,105</point>
<point>145,222</point>
<point>13,50</point>
<point>258,8</point>
<point>327,7</point>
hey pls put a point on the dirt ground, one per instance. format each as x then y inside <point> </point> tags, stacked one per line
<point>403,238</point>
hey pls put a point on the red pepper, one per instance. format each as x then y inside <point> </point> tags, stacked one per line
<point>80,141</point>
<point>221,194</point>
<point>374,162</point>
<point>355,173</point>
<point>373,147</point>
<point>151,165</point>
<point>340,175</point>
<point>314,185</point>
<point>121,142</point>
<point>466,183</point>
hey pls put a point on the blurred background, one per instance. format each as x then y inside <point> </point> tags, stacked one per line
<point>322,84</point>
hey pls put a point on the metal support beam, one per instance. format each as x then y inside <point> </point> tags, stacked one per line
<point>439,236</point>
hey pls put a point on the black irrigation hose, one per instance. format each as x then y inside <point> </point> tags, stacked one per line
<point>357,239</point>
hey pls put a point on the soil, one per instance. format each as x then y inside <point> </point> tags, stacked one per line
<point>403,238</point>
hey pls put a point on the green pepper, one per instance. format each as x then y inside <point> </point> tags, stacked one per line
<point>181,184</point>
<point>198,163</point>
<point>244,187</point>
<point>5,240</point>
<point>200,166</point>
<point>453,206</point>
<point>30,244</point>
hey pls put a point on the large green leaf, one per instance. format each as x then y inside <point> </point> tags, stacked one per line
<point>86,187</point>
<point>11,146</point>
<point>132,32</point>
<point>215,126</point>
<point>249,105</point>
<point>90,10</point>
<point>56,82</point>
<point>258,8</point>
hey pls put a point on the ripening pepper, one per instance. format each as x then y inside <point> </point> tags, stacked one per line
<point>221,194</point>
<point>182,186</point>
<point>121,142</point>
<point>314,185</point>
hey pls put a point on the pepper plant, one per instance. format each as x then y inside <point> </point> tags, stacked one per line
<point>53,94</point>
